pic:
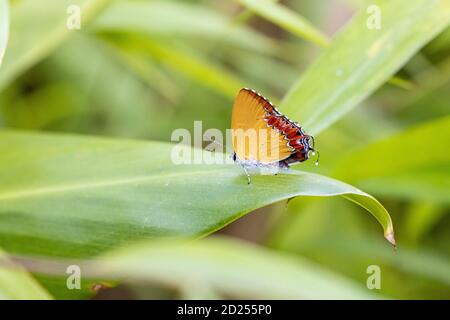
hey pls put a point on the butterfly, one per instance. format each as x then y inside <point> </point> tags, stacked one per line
<point>262,136</point>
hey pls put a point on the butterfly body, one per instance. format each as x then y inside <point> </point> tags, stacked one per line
<point>284,142</point>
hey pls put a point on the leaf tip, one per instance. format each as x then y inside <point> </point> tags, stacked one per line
<point>389,235</point>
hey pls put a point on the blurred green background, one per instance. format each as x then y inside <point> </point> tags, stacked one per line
<point>141,69</point>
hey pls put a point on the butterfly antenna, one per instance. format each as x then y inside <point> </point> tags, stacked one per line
<point>318,156</point>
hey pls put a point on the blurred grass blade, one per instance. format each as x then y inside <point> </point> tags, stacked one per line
<point>4,27</point>
<point>147,70</point>
<point>360,59</point>
<point>231,268</point>
<point>92,193</point>
<point>286,19</point>
<point>402,83</point>
<point>196,68</point>
<point>339,236</point>
<point>421,218</point>
<point>298,25</point>
<point>34,36</point>
<point>16,283</point>
<point>440,43</point>
<point>179,19</point>
<point>412,164</point>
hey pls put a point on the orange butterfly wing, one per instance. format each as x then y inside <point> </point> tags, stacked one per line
<point>252,138</point>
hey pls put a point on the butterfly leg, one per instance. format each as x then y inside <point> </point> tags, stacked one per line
<point>235,158</point>
<point>283,164</point>
<point>246,173</point>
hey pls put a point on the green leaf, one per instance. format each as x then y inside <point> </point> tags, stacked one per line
<point>230,268</point>
<point>411,164</point>
<point>76,196</point>
<point>4,27</point>
<point>34,36</point>
<point>360,60</point>
<point>17,283</point>
<point>287,19</point>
